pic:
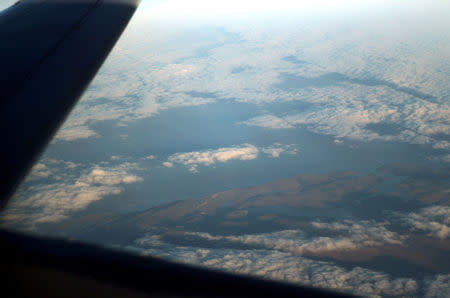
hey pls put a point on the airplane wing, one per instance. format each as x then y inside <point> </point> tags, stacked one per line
<point>49,52</point>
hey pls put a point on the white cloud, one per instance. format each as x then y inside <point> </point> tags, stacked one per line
<point>351,235</point>
<point>40,170</point>
<point>347,117</point>
<point>210,157</point>
<point>39,166</point>
<point>49,168</point>
<point>108,176</point>
<point>281,256</point>
<point>68,191</point>
<point>365,232</point>
<point>71,133</point>
<point>442,145</point>
<point>357,235</point>
<point>284,266</point>
<point>276,149</point>
<point>269,121</point>
<point>242,152</point>
<point>168,164</point>
<point>435,220</point>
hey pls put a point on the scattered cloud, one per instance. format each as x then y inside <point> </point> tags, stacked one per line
<point>70,133</point>
<point>66,191</point>
<point>364,232</point>
<point>269,121</point>
<point>225,154</point>
<point>442,145</point>
<point>108,176</point>
<point>168,164</point>
<point>210,157</point>
<point>435,220</point>
<point>357,235</point>
<point>344,117</point>
<point>49,168</point>
<point>276,149</point>
<point>40,170</point>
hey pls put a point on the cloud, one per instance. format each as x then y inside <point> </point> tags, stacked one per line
<point>357,235</point>
<point>435,220</point>
<point>383,77</point>
<point>107,176</point>
<point>71,133</point>
<point>66,191</point>
<point>49,169</point>
<point>284,256</point>
<point>438,286</point>
<point>225,154</point>
<point>134,92</point>
<point>210,157</point>
<point>269,121</point>
<point>40,170</point>
<point>364,232</point>
<point>442,145</point>
<point>276,149</point>
<point>275,265</point>
<point>349,118</point>
<point>440,158</point>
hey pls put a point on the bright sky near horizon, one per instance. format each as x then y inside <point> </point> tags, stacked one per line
<point>239,7</point>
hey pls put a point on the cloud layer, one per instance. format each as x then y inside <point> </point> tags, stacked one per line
<point>284,255</point>
<point>355,74</point>
<point>354,235</point>
<point>292,268</point>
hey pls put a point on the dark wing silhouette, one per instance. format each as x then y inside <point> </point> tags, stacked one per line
<point>49,52</point>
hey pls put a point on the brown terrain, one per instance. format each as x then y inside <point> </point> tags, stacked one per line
<point>231,212</point>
